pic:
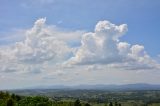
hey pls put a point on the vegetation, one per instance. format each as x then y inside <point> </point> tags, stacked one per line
<point>80,98</point>
<point>7,99</point>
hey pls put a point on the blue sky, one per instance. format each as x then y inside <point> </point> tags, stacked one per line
<point>141,16</point>
<point>70,20</point>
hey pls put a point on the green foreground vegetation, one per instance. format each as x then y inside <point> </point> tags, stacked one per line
<point>7,99</point>
<point>81,98</point>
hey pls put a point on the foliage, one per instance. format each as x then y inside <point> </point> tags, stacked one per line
<point>77,103</point>
<point>83,98</point>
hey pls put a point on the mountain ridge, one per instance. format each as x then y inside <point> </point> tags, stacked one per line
<point>136,86</point>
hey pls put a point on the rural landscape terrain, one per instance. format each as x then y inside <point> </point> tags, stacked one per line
<point>99,95</point>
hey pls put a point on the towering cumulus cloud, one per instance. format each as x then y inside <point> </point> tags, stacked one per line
<point>100,47</point>
<point>41,45</point>
<point>104,47</point>
<point>46,47</point>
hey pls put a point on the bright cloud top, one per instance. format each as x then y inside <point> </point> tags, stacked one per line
<point>46,47</point>
<point>102,46</point>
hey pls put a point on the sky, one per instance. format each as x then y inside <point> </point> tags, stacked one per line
<point>72,42</point>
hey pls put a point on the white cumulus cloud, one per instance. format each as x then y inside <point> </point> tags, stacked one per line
<point>42,44</point>
<point>48,53</point>
<point>104,47</point>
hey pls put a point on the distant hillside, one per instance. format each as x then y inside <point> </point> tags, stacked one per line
<point>139,86</point>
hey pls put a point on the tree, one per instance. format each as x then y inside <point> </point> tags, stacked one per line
<point>18,98</point>
<point>87,104</point>
<point>13,96</point>
<point>110,104</point>
<point>116,104</point>
<point>2,95</point>
<point>77,103</point>
<point>10,102</point>
<point>119,104</point>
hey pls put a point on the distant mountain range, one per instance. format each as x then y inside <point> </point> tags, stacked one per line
<point>138,86</point>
